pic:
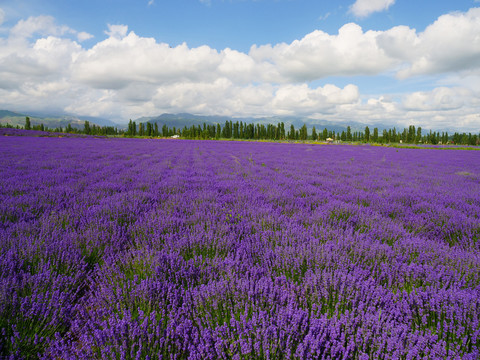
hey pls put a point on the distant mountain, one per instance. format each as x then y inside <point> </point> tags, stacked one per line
<point>299,121</point>
<point>72,117</point>
<point>100,121</point>
<point>8,113</point>
<point>173,120</point>
<point>184,119</point>
<point>51,120</point>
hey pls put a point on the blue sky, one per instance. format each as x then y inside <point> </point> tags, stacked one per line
<point>237,24</point>
<point>375,61</point>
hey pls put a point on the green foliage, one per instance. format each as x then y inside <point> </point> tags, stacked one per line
<point>86,128</point>
<point>314,134</point>
<point>367,134</point>
<point>243,131</point>
<point>28,125</point>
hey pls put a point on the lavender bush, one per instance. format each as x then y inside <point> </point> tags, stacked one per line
<point>164,249</point>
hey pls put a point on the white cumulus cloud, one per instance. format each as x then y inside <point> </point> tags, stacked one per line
<point>42,25</point>
<point>364,8</point>
<point>318,55</point>
<point>125,75</point>
<point>82,36</point>
<point>294,99</point>
<point>119,60</point>
<point>116,31</point>
<point>441,98</point>
<point>452,43</point>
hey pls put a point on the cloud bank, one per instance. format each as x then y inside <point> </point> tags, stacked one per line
<point>44,65</point>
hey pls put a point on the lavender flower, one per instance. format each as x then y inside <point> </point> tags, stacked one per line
<point>157,249</point>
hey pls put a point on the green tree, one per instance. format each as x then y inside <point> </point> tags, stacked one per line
<point>282,130</point>
<point>303,133</point>
<point>291,133</point>
<point>129,128</point>
<point>411,134</point>
<point>324,134</point>
<point>375,135</point>
<point>236,130</point>
<point>385,138</point>
<point>367,134</point>
<point>314,134</point>
<point>418,138</point>
<point>227,130</point>
<point>405,135</point>
<point>349,134</point>
<point>86,127</point>
<point>28,125</point>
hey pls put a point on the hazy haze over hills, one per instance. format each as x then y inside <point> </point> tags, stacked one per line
<point>171,120</point>
<point>51,120</point>
<point>185,119</point>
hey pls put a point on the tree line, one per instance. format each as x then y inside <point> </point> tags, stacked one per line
<point>88,129</point>
<point>248,131</point>
<point>240,130</point>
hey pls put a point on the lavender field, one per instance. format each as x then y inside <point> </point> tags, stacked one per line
<point>175,249</point>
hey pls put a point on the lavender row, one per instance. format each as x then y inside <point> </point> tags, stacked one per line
<point>124,248</point>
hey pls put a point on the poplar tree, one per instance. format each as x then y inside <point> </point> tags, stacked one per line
<point>314,134</point>
<point>419,135</point>
<point>282,130</point>
<point>28,126</point>
<point>367,134</point>
<point>349,134</point>
<point>325,134</point>
<point>291,134</point>
<point>303,133</point>
<point>86,128</point>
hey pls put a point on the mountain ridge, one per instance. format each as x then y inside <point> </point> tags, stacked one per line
<point>185,119</point>
<point>15,118</point>
<point>180,120</point>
